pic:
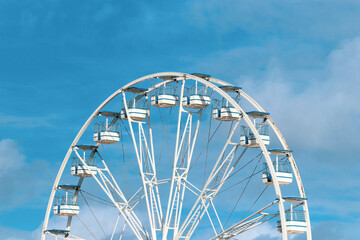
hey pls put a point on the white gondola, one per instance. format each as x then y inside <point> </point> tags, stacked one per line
<point>196,98</point>
<point>136,114</point>
<point>226,114</point>
<point>65,205</point>
<point>248,139</point>
<point>282,168</point>
<point>295,219</point>
<point>107,132</point>
<point>138,109</point>
<point>165,97</point>
<point>78,169</point>
<point>222,111</point>
<point>189,132</point>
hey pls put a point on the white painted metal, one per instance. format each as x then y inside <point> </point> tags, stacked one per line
<point>136,114</point>
<point>252,142</point>
<point>223,111</point>
<point>247,223</point>
<point>295,227</point>
<point>145,156</point>
<point>226,114</point>
<point>66,210</point>
<point>164,101</point>
<point>282,168</point>
<point>248,139</point>
<point>78,170</point>
<point>196,101</point>
<point>125,209</point>
<point>113,191</point>
<point>220,172</point>
<point>165,97</point>
<point>184,147</point>
<point>292,161</point>
<point>62,234</point>
<point>105,132</point>
<point>283,178</point>
<point>106,137</point>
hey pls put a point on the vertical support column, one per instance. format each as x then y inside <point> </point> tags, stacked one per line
<point>147,168</point>
<point>171,197</point>
<point>184,147</point>
<point>217,177</point>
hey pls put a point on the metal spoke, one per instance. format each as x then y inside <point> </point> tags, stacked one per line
<point>184,147</point>
<point>145,156</point>
<point>174,224</point>
<point>220,171</point>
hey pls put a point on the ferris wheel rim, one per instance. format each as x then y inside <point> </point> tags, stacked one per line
<point>210,82</point>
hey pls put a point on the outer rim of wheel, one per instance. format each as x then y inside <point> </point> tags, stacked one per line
<point>210,83</point>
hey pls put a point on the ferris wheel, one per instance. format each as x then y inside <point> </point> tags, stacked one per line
<point>177,156</point>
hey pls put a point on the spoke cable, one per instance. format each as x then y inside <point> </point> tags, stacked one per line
<point>256,173</point>
<point>207,146</point>
<point>114,193</point>
<point>124,158</point>
<point>255,201</point>
<point>198,157</point>
<point>242,193</point>
<point>242,167</point>
<point>101,200</point>
<point>94,216</point>
<point>128,159</point>
<point>77,216</point>
<point>92,199</point>
<point>165,136</point>
<point>224,180</point>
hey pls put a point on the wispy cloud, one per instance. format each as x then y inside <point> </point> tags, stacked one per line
<point>15,234</point>
<point>27,121</point>
<point>317,111</point>
<point>17,177</point>
<point>276,49</point>
<point>11,157</point>
<point>324,112</point>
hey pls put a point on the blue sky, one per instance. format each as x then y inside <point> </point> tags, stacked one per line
<point>60,59</point>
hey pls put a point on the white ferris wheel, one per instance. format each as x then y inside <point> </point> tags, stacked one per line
<point>177,156</point>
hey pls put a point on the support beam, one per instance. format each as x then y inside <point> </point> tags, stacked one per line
<point>113,191</point>
<point>184,148</point>
<point>218,175</point>
<point>145,156</point>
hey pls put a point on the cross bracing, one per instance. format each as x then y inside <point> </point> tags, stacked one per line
<point>168,199</point>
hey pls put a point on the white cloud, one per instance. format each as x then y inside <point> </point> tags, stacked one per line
<point>266,231</point>
<point>27,121</point>
<point>318,112</point>
<point>324,114</point>
<point>332,230</point>
<point>305,20</point>
<point>14,234</point>
<point>11,157</point>
<point>18,174</point>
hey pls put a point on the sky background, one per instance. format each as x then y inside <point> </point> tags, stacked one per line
<point>299,59</point>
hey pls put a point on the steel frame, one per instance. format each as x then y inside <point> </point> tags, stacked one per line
<point>147,148</point>
<point>146,161</point>
<point>113,191</point>
<point>184,148</point>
